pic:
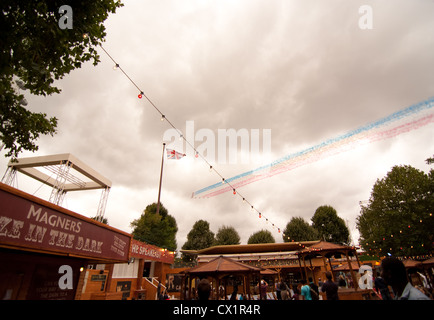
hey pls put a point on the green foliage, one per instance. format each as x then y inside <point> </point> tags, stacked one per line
<point>157,229</point>
<point>226,236</point>
<point>330,226</point>
<point>199,237</point>
<point>263,236</point>
<point>326,225</point>
<point>35,50</point>
<point>299,230</point>
<point>398,218</point>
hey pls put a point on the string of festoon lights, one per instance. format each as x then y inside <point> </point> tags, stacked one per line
<point>374,246</point>
<point>165,118</point>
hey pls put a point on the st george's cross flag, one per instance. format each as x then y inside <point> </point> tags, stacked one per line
<point>172,154</point>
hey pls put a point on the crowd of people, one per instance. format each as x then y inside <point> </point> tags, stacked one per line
<point>393,276</point>
<point>307,291</point>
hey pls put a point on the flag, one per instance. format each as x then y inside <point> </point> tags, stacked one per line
<point>172,154</point>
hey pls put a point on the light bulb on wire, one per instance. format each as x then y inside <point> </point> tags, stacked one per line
<point>163,117</point>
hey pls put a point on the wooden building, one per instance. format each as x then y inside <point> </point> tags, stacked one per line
<point>220,271</point>
<point>136,279</point>
<point>45,248</point>
<point>288,261</point>
<point>280,257</point>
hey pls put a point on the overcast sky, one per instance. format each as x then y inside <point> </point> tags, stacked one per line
<point>303,69</point>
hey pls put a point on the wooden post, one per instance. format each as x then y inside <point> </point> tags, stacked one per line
<point>217,287</point>
<point>312,270</point>
<point>301,268</point>
<point>278,273</point>
<point>226,284</point>
<point>325,267</point>
<point>182,293</point>
<point>248,286</point>
<point>357,257</point>
<point>305,268</point>
<point>189,287</point>
<point>356,285</point>
<point>110,268</point>
<point>140,274</point>
<point>331,269</point>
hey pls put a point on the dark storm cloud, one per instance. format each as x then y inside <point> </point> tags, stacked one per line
<point>303,69</point>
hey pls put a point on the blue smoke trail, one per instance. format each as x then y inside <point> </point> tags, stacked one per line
<point>386,121</point>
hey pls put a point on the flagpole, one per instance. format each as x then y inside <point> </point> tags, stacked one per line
<point>161,178</point>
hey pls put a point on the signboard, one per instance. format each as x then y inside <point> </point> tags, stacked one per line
<point>125,288</point>
<point>45,282</point>
<point>142,250</point>
<point>40,225</point>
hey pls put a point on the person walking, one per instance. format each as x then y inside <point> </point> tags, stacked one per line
<point>382,288</point>
<point>314,287</point>
<point>295,294</point>
<point>342,283</point>
<point>305,291</point>
<point>159,290</point>
<point>234,293</point>
<point>320,283</point>
<point>284,291</point>
<point>278,290</point>
<point>330,288</point>
<point>263,289</point>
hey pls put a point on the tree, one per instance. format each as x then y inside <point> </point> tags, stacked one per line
<point>36,51</point>
<point>157,229</point>
<point>330,226</point>
<point>263,236</point>
<point>199,237</point>
<point>226,236</point>
<point>299,230</point>
<point>398,217</point>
